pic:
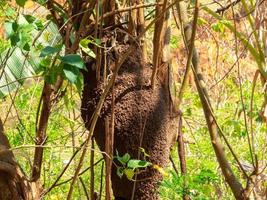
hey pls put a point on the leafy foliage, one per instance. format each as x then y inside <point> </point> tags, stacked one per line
<point>129,166</point>
<point>18,60</point>
<point>198,186</point>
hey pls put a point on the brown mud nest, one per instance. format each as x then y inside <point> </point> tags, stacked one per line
<point>141,114</point>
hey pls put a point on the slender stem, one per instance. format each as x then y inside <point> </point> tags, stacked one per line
<point>92,171</point>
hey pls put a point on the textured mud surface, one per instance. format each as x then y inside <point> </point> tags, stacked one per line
<point>140,115</point>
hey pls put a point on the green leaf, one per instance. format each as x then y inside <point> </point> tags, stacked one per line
<point>71,73</point>
<point>120,172</point>
<point>97,41</point>
<point>43,65</point>
<point>129,173</point>
<point>123,159</point>
<point>39,25</point>
<point>126,157</point>
<point>24,38</point>
<point>21,3</point>
<point>79,83</point>
<point>73,60</point>
<point>138,164</point>
<point>8,29</point>
<point>218,27</point>
<point>50,50</point>
<point>201,21</point>
<point>15,26</point>
<point>84,47</point>
<point>27,47</point>
<point>10,12</point>
<point>143,151</point>
<point>41,2</point>
<point>29,18</point>
<point>14,39</point>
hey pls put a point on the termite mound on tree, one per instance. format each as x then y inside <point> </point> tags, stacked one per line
<point>142,116</point>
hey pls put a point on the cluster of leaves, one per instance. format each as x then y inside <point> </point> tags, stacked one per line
<point>19,29</point>
<point>129,166</point>
<point>218,26</point>
<point>54,65</point>
<point>19,32</point>
<point>196,186</point>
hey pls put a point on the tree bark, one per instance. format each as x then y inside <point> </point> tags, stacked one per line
<point>13,183</point>
<point>41,131</point>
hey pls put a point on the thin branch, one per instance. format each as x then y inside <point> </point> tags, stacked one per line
<point>224,8</point>
<point>84,188</point>
<point>241,93</point>
<point>232,181</point>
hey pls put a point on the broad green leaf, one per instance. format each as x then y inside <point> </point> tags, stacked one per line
<point>24,38</point>
<point>47,51</point>
<point>126,157</point>
<point>27,28</point>
<point>73,60</point>
<point>84,47</point>
<point>14,39</point>
<point>15,26</point>
<point>129,173</point>
<point>97,41</point>
<point>71,73</point>
<point>21,3</point>
<point>8,29</point>
<point>123,159</point>
<point>138,164</point>
<point>27,47</point>
<point>29,18</point>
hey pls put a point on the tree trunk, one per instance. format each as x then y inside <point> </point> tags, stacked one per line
<point>13,184</point>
